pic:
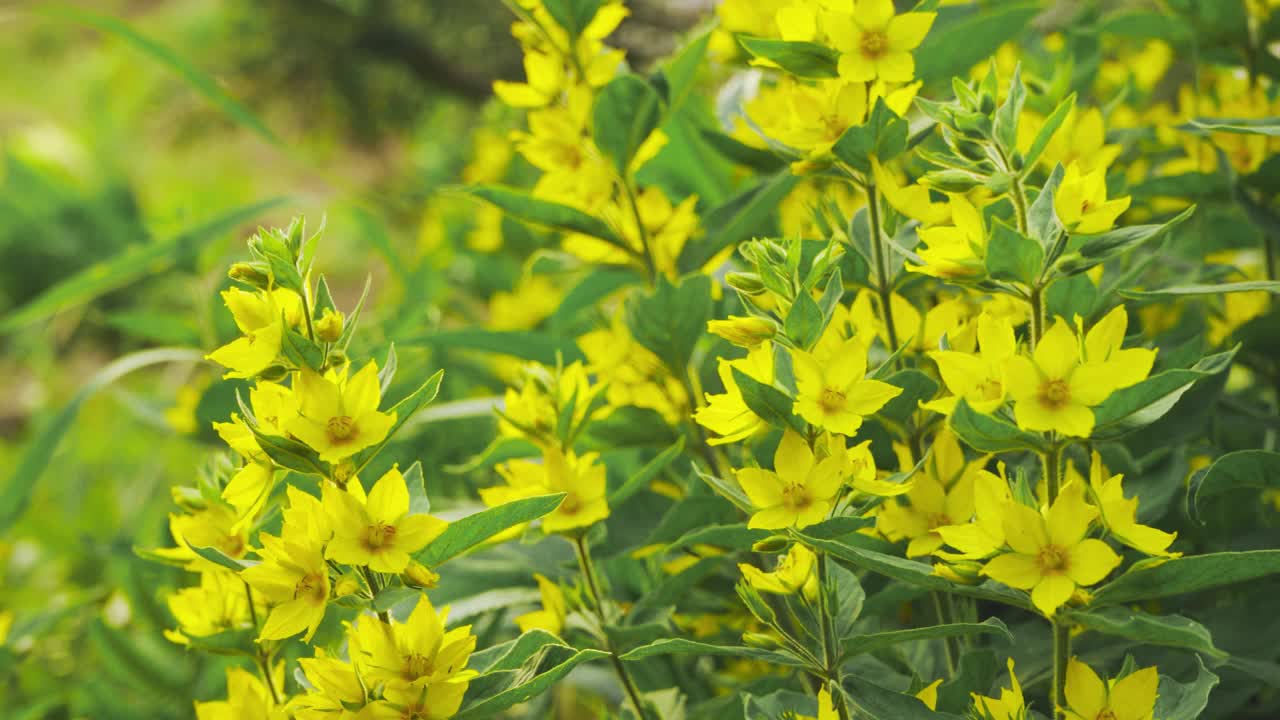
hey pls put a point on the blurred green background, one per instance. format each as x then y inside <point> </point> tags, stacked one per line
<point>141,143</point>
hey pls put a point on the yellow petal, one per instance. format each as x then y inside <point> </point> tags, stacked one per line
<point>1052,593</point>
<point>1015,570</point>
<point>1091,561</point>
<point>1133,697</point>
<point>1086,692</point>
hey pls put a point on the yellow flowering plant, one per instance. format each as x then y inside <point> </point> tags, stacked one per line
<point>832,367</point>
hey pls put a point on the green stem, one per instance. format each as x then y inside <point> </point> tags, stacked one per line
<point>649,264</point>
<point>261,658</point>
<point>830,656</point>
<point>1019,196</point>
<point>1036,300</point>
<point>1061,631</point>
<point>593,588</point>
<point>880,258</point>
<point>943,620</point>
<point>374,588</point>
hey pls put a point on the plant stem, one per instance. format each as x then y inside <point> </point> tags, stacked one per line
<point>880,257</point>
<point>593,588</point>
<point>943,620</point>
<point>1061,631</point>
<point>374,588</point>
<point>650,266</point>
<point>1036,300</point>
<point>830,656</point>
<point>261,658</point>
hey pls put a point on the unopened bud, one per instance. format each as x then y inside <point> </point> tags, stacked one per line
<point>348,584</point>
<point>749,283</point>
<point>775,544</point>
<point>1073,263</point>
<point>963,572</point>
<point>274,373</point>
<point>253,274</point>
<point>336,358</point>
<point>329,326</point>
<point>747,332</point>
<point>420,576</point>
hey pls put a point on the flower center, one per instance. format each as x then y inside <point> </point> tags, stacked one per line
<point>831,400</point>
<point>991,389</point>
<point>874,44</point>
<point>1055,394</point>
<point>1052,559</point>
<point>1085,207</point>
<point>937,520</point>
<point>379,536</point>
<point>571,504</point>
<point>340,428</point>
<point>1106,714</point>
<point>417,666</point>
<point>796,497</point>
<point>232,545</point>
<point>310,586</point>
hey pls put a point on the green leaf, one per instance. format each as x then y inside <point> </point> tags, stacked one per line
<point>290,454</point>
<point>670,319</point>
<point>802,59</point>
<point>532,345</point>
<point>988,433</point>
<point>544,213</point>
<point>1013,256</point>
<point>572,15</point>
<point>1159,577</point>
<point>199,81</point>
<point>419,501</point>
<point>627,110</point>
<point>682,646</point>
<point>1042,217</point>
<point>646,474</point>
<point>913,573</point>
<point>494,704</point>
<point>743,216</point>
<point>1178,701</point>
<point>883,136</point>
<point>127,266</point>
<point>1141,627</point>
<point>875,642</point>
<point>1270,286</point>
<point>730,537</point>
<point>16,493</point>
<point>217,557</point>
<point>959,40</point>
<point>596,286</point>
<point>916,386</point>
<point>1005,126</point>
<point>512,654</point>
<point>472,530</point>
<point>404,410</point>
<point>683,70</point>
<point>1140,405</point>
<point>740,153</point>
<point>878,703</point>
<point>771,404</point>
<point>804,322</point>
<point>1269,126</point>
<point>1094,249</point>
<point>1240,470</point>
<point>1047,131</point>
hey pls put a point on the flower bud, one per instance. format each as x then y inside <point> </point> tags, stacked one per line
<point>336,358</point>
<point>274,373</point>
<point>329,325</point>
<point>749,283</point>
<point>747,332</point>
<point>348,584</point>
<point>775,544</point>
<point>419,576</point>
<point>252,274</point>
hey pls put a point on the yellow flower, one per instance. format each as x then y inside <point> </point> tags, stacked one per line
<point>248,698</point>
<point>261,317</point>
<point>858,467</point>
<point>954,251</point>
<point>415,654</point>
<point>727,414</point>
<point>941,495</point>
<point>794,573</point>
<point>747,332</point>
<point>1081,201</point>
<point>912,200</point>
<point>294,579</point>
<point>1104,358</point>
<point>873,42</point>
<point>436,701</point>
<point>634,375</point>
<point>338,693</point>
<point>1009,706</point>
<point>984,535</point>
<point>812,117</point>
<point>219,603</point>
<point>579,477</point>
<point>835,395</point>
<point>215,526</point>
<point>338,416</point>
<point>532,300</point>
<point>798,493</point>
<point>544,80</point>
<point>1054,390</point>
<point>1081,140</point>
<point>979,379</point>
<point>1132,697</point>
<point>1051,556</point>
<point>554,609</point>
<point>378,532</point>
<point>1119,514</point>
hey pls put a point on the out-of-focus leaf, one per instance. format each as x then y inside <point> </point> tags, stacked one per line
<point>472,530</point>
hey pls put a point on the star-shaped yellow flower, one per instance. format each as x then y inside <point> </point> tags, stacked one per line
<point>377,531</point>
<point>835,395</point>
<point>338,417</point>
<point>798,493</point>
<point>1132,697</point>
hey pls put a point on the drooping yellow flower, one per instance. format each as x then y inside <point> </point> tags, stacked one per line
<point>1009,706</point>
<point>1081,201</point>
<point>338,416</point>
<point>1119,514</point>
<point>979,379</point>
<point>795,572</point>
<point>1051,555</point>
<point>261,317</point>
<point>294,579</point>
<point>219,603</point>
<point>727,414</point>
<point>858,467</point>
<point>248,698</point>
<point>799,492</point>
<point>1132,697</point>
<point>941,495</point>
<point>579,477</point>
<point>414,654</point>
<point>958,250</point>
<point>554,609</point>
<point>873,41</point>
<point>338,693</point>
<point>215,526</point>
<point>835,395</point>
<point>378,531</point>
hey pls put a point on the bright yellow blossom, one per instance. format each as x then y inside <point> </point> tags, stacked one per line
<point>835,395</point>
<point>554,609</point>
<point>910,199</point>
<point>248,698</point>
<point>872,40</point>
<point>984,535</point>
<point>1009,706</point>
<point>261,317</point>
<point>1081,140</point>
<point>1081,201</point>
<point>580,477</point>
<point>1132,697</point>
<point>378,532</point>
<point>215,527</point>
<point>941,495</point>
<point>294,579</point>
<point>414,654</point>
<point>338,694</point>
<point>219,603</point>
<point>1050,555</point>
<point>727,414</point>
<point>958,250</point>
<point>338,416</point>
<point>1119,514</point>
<point>800,491</point>
<point>979,379</point>
<point>793,573</point>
